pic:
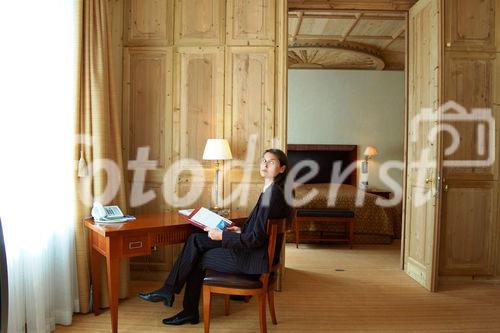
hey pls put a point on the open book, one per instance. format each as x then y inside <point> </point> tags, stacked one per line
<point>203,217</point>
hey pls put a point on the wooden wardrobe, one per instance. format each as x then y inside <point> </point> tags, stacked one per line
<point>193,70</point>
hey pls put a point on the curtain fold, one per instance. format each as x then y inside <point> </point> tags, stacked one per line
<point>37,116</point>
<point>98,123</point>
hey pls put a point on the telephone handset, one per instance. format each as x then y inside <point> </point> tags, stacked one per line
<point>103,213</point>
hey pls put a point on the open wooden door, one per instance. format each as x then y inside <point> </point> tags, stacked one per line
<point>422,204</point>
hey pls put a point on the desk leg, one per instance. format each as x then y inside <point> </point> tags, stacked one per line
<point>95,270</point>
<point>113,265</point>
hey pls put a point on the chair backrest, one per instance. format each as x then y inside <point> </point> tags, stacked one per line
<point>276,233</point>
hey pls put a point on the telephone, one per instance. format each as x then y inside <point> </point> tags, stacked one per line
<point>106,213</point>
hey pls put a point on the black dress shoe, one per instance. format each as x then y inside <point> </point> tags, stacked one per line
<point>158,296</point>
<point>182,318</point>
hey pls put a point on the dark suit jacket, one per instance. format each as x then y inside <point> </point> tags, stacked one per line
<point>250,247</point>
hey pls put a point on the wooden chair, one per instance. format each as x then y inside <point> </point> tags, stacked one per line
<point>247,285</point>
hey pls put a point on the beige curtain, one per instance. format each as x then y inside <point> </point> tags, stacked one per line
<point>98,118</point>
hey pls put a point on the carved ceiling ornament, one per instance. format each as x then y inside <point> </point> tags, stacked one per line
<point>343,39</point>
<point>334,55</point>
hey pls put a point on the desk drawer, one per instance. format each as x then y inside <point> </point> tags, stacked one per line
<point>136,245</point>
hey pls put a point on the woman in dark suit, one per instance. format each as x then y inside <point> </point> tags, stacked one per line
<point>233,250</point>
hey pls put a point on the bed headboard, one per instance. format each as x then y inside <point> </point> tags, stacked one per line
<point>325,156</point>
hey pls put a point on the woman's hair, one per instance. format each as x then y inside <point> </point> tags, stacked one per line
<point>283,159</point>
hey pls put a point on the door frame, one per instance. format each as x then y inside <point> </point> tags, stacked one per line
<point>365,6</point>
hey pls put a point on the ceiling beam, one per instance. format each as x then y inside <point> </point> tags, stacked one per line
<point>330,16</point>
<point>297,27</point>
<point>350,16</point>
<point>370,37</point>
<point>383,17</point>
<point>339,37</point>
<point>395,36</point>
<point>358,17</point>
<point>401,5</point>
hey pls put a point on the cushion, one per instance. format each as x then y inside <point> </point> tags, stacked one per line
<point>230,280</point>
<point>325,213</point>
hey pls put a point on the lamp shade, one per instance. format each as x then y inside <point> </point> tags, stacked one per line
<point>217,149</point>
<point>370,151</point>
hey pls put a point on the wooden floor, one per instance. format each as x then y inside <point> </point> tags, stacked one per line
<point>330,289</point>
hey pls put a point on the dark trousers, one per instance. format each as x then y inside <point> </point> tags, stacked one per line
<point>199,254</point>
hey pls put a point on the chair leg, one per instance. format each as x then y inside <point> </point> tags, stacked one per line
<point>270,298</point>
<point>262,312</point>
<point>207,299</point>
<point>226,305</point>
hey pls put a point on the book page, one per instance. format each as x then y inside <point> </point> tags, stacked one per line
<point>185,212</point>
<point>210,219</point>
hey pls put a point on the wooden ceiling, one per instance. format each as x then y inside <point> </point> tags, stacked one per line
<point>402,5</point>
<point>344,34</point>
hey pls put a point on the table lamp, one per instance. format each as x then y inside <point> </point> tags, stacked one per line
<point>369,152</point>
<point>217,150</point>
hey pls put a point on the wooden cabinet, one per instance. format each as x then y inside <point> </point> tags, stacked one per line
<point>470,25</point>
<point>199,69</point>
<point>148,22</point>
<point>199,22</point>
<point>198,116</point>
<point>249,99</point>
<point>198,102</point>
<point>147,114</point>
<point>249,116</point>
<point>251,22</point>
<point>469,215</point>
<point>468,245</point>
<point>147,105</point>
<point>469,82</point>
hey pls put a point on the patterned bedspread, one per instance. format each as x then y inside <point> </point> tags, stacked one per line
<point>374,224</point>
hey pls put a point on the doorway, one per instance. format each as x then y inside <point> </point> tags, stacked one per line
<point>355,38</point>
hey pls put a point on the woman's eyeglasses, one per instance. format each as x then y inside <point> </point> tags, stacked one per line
<point>268,162</point>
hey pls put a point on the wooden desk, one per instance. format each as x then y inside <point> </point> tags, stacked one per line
<point>131,239</point>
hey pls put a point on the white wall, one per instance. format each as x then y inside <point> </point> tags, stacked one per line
<point>349,107</point>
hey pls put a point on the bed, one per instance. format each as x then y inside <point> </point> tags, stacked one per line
<point>374,224</point>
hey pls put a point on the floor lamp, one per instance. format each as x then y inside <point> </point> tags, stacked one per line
<point>217,150</point>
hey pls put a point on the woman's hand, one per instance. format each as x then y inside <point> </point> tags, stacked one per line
<point>234,229</point>
<point>214,233</point>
